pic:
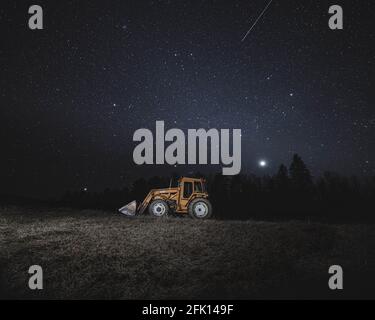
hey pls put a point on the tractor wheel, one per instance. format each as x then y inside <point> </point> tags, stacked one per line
<point>200,209</point>
<point>158,208</point>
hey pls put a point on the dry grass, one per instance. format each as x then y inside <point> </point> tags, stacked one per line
<point>92,254</point>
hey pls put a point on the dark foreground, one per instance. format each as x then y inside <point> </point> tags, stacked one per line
<point>93,255</point>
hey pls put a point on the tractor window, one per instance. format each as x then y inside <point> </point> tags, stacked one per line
<point>204,187</point>
<point>197,187</point>
<point>188,189</point>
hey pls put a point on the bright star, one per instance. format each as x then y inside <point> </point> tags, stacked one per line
<point>262,163</point>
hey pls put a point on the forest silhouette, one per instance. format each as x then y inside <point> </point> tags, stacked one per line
<point>290,193</point>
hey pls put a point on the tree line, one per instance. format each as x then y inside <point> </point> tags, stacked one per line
<point>290,193</point>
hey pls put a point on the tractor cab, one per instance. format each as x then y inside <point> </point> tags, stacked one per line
<point>188,186</point>
<point>190,189</point>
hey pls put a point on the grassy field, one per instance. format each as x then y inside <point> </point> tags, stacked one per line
<point>93,254</point>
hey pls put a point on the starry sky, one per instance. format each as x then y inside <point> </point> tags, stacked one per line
<point>73,94</point>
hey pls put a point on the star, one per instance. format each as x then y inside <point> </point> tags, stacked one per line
<point>262,163</point>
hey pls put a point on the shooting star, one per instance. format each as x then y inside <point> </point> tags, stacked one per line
<point>256,21</point>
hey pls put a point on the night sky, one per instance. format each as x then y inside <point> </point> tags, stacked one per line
<point>73,94</point>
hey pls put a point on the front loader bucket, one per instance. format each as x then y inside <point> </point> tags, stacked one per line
<point>130,209</point>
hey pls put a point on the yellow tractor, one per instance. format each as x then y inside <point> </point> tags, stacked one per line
<point>190,196</point>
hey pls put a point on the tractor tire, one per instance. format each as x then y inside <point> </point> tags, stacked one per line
<point>158,208</point>
<point>200,208</point>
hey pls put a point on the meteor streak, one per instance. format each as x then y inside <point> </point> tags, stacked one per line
<point>256,21</point>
